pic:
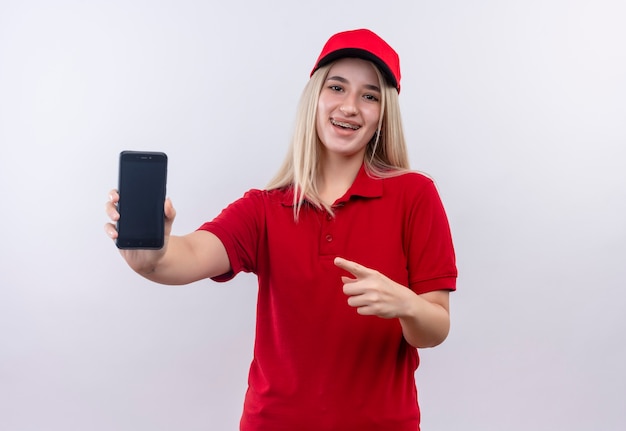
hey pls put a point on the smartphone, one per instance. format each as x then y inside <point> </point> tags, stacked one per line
<point>142,184</point>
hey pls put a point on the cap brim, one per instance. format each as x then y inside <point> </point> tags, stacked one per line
<point>359,53</point>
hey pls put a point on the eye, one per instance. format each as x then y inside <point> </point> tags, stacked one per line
<point>371,97</point>
<point>335,87</point>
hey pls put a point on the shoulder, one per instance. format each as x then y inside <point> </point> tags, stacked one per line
<point>408,182</point>
<point>263,194</point>
<point>272,197</point>
<point>411,189</point>
<point>251,208</point>
<point>248,203</point>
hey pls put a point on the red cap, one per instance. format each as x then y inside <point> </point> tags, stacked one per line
<point>363,44</point>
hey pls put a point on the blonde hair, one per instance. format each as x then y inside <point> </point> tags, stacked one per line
<point>386,155</point>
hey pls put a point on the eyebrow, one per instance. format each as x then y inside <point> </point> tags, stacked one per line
<point>345,81</point>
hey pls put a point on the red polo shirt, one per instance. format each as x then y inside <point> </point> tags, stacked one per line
<point>318,365</point>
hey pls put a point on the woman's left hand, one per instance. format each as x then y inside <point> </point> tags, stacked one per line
<point>374,294</point>
<point>425,318</point>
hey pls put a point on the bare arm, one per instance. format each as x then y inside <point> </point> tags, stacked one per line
<point>182,260</point>
<point>426,321</point>
<point>425,318</point>
<point>189,258</point>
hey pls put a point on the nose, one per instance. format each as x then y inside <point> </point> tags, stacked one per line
<point>349,104</point>
<point>348,108</point>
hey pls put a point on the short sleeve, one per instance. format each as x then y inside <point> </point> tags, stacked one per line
<point>238,227</point>
<point>428,242</point>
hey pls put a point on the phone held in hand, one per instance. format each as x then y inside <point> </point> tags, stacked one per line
<point>142,185</point>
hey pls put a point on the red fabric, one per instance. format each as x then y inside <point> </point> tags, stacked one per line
<point>362,43</point>
<point>318,365</point>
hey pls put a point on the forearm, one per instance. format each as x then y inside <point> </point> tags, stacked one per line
<point>426,323</point>
<point>187,259</point>
<point>173,267</point>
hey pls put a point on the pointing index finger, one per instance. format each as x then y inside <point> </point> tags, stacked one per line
<point>353,268</point>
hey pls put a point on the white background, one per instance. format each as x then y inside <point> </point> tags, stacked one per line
<point>516,108</point>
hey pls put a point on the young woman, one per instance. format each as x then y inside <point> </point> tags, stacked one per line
<point>352,251</point>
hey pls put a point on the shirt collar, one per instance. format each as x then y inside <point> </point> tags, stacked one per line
<point>363,186</point>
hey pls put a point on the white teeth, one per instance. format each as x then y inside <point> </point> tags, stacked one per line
<point>345,125</point>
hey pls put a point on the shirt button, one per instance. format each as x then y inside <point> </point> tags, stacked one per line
<point>329,238</point>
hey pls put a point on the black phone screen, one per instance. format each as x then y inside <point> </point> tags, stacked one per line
<point>142,184</point>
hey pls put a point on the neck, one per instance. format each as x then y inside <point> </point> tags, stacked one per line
<point>336,177</point>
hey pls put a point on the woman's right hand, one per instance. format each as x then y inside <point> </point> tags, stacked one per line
<point>142,261</point>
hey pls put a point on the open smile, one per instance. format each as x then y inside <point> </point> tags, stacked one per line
<point>344,125</point>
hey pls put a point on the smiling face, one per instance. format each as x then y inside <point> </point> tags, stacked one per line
<point>348,108</point>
